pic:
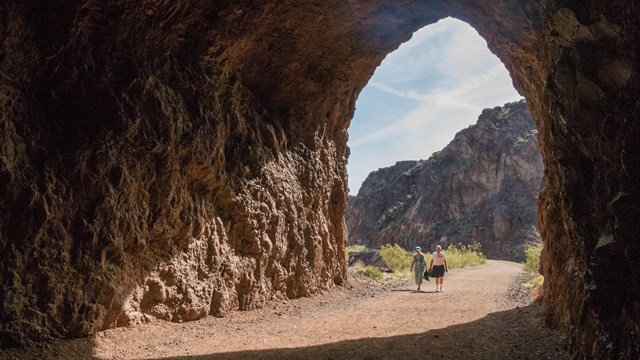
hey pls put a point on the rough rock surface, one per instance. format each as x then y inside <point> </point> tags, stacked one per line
<point>199,147</point>
<point>141,176</point>
<point>480,189</point>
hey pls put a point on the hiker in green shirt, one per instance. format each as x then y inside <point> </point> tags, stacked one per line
<point>420,265</point>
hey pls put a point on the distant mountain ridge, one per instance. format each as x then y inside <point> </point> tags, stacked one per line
<point>481,188</point>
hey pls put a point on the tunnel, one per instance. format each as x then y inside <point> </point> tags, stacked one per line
<point>178,159</point>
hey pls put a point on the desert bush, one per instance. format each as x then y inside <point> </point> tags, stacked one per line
<point>403,274</point>
<point>464,255</point>
<point>532,256</point>
<point>534,286</point>
<point>359,266</point>
<point>352,248</point>
<point>356,248</point>
<point>537,283</point>
<point>396,258</point>
<point>532,252</point>
<point>367,270</point>
<point>372,272</point>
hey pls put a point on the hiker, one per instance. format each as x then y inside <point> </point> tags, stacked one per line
<point>420,264</point>
<point>438,267</point>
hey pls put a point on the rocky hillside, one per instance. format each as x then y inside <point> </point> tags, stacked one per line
<point>482,188</point>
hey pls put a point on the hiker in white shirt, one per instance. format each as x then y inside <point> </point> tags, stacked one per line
<point>438,267</point>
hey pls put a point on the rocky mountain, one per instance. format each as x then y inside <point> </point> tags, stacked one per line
<point>481,188</point>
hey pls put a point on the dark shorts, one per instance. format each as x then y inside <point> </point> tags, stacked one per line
<point>437,271</point>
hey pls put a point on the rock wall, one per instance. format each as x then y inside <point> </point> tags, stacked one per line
<point>480,189</point>
<point>589,208</point>
<point>141,177</point>
<point>199,147</point>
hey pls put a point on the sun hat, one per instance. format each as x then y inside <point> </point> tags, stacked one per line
<point>418,248</point>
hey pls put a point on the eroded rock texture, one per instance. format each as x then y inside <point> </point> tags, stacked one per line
<point>480,189</point>
<point>143,173</point>
<point>178,158</point>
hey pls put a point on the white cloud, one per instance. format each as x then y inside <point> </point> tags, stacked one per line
<point>466,53</point>
<point>407,94</point>
<point>457,77</point>
<point>462,103</point>
<point>415,53</point>
<point>423,35</point>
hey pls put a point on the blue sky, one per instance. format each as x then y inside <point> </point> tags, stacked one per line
<point>422,94</point>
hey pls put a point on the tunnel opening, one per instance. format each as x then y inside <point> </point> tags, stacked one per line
<point>479,189</point>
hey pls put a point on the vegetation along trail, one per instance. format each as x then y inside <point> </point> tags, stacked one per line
<point>481,315</point>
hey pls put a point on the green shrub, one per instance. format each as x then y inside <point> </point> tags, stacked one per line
<point>367,270</point>
<point>396,258</point>
<point>534,286</point>
<point>353,248</point>
<point>464,255</point>
<point>359,266</point>
<point>403,274</point>
<point>537,282</point>
<point>372,272</point>
<point>532,256</point>
<point>532,252</point>
<point>356,248</point>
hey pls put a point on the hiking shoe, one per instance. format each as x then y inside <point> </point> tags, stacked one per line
<point>437,290</point>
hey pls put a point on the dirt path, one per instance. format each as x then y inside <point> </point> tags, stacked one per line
<point>475,318</point>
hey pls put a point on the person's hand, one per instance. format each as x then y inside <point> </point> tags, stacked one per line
<point>446,270</point>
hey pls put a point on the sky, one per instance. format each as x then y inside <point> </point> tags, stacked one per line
<point>422,94</point>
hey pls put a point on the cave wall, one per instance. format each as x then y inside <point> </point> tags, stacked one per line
<point>142,177</point>
<point>174,159</point>
<point>589,207</point>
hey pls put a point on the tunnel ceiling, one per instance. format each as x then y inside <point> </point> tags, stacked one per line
<point>173,159</point>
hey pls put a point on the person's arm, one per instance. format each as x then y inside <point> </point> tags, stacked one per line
<point>430,264</point>
<point>412,261</point>
<point>446,266</point>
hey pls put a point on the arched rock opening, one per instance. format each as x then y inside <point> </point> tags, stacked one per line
<point>174,159</point>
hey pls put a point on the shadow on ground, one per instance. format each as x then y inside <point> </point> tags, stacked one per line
<point>512,334</point>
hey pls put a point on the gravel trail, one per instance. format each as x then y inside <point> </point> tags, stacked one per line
<point>477,317</point>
